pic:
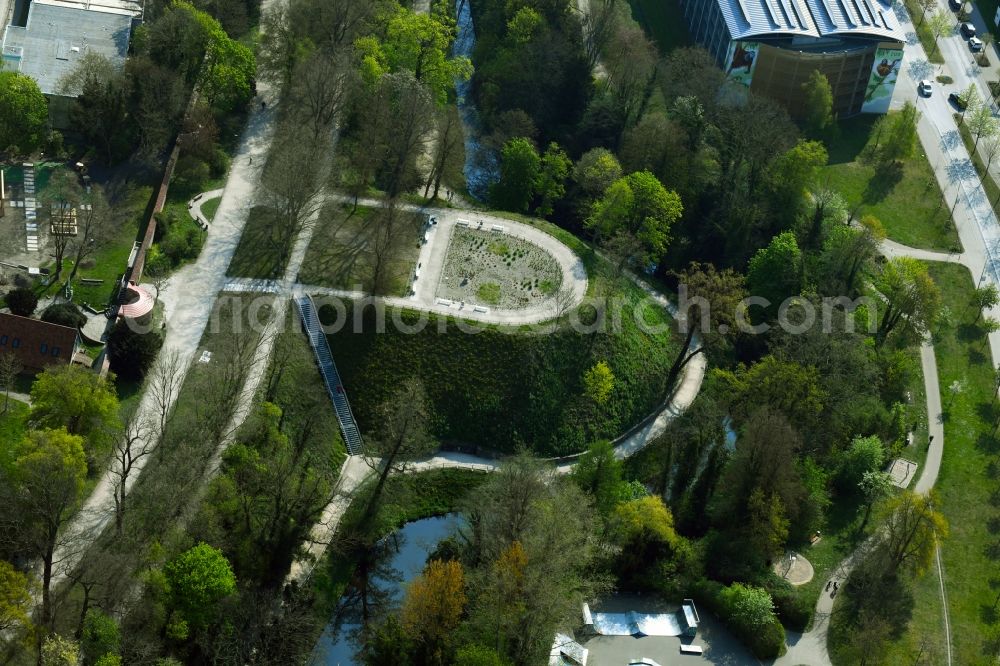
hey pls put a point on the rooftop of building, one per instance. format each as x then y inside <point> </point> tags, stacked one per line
<point>36,343</point>
<point>55,38</point>
<point>817,19</point>
<point>132,8</point>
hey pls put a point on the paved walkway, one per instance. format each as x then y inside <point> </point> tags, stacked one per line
<point>194,206</point>
<point>188,301</point>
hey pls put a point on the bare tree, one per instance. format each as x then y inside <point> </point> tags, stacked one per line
<point>387,227</point>
<point>96,226</point>
<point>447,149</point>
<point>64,197</point>
<point>292,185</point>
<point>991,149</point>
<point>134,442</point>
<point>403,114</point>
<point>320,89</point>
<point>599,24</point>
<point>279,46</point>
<point>404,434</point>
<point>631,66</point>
<point>164,385</point>
<point>10,368</point>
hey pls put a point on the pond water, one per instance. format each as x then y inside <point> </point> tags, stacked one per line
<point>482,168</point>
<point>400,558</point>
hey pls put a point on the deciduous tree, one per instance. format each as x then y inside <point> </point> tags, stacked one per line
<point>49,475</point>
<point>817,102</point>
<point>912,526</point>
<point>550,185</point>
<point>706,310</point>
<point>197,580</point>
<point>15,598</point>
<point>24,113</point>
<point>634,216</point>
<point>520,166</point>
<point>775,271</point>
<point>433,607</point>
<point>10,368</point>
<point>911,297</point>
<point>403,433</point>
<point>73,397</point>
<point>599,382</point>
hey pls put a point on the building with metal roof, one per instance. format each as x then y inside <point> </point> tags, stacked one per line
<point>54,39</point>
<point>772,46</point>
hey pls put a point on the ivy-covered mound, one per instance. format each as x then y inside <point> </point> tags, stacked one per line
<point>500,389</point>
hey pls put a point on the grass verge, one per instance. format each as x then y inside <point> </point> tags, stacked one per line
<point>924,31</point>
<point>340,254</point>
<point>990,187</point>
<point>256,255</point>
<point>905,197</point>
<point>210,207</point>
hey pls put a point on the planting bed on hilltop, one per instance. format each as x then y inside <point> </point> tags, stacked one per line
<point>498,270</point>
<point>501,389</point>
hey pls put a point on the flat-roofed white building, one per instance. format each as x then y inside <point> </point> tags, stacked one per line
<point>58,33</point>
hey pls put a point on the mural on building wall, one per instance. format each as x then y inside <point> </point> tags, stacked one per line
<point>742,60</point>
<point>882,81</point>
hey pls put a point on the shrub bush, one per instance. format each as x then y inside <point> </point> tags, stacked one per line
<point>64,314</point>
<point>190,173</point>
<point>793,609</point>
<point>22,301</point>
<point>736,607</point>
<point>131,353</point>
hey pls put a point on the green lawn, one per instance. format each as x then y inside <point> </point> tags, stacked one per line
<point>256,255</point>
<point>968,486</point>
<point>109,262</point>
<point>340,253</point>
<point>905,198</point>
<point>663,20</point>
<point>990,187</point>
<point>12,429</point>
<point>210,207</point>
<point>924,32</point>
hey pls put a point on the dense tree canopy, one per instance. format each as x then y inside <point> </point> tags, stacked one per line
<point>24,113</point>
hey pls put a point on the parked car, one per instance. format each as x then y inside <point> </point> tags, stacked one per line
<point>958,101</point>
<point>955,5</point>
<point>924,88</point>
<point>975,44</point>
<point>968,30</point>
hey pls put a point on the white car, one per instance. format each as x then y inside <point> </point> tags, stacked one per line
<point>924,88</point>
<point>975,44</point>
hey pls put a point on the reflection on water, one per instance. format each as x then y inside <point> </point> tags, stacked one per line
<point>482,167</point>
<point>377,585</point>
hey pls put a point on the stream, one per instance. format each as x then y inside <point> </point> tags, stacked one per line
<point>482,166</point>
<point>402,557</point>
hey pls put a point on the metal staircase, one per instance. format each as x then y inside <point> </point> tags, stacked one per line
<point>327,368</point>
